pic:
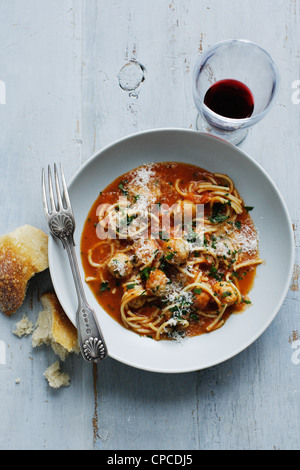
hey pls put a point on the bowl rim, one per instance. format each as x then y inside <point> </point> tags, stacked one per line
<point>254,337</point>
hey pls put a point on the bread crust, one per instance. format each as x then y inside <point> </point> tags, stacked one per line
<point>23,253</point>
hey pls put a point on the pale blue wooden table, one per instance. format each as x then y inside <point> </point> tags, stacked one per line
<point>60,100</point>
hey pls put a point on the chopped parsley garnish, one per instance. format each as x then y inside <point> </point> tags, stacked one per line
<point>213,239</point>
<point>104,286</point>
<point>238,224</point>
<point>248,208</point>
<point>131,286</point>
<point>192,236</point>
<point>197,291</point>
<point>214,273</point>
<point>227,294</point>
<point>146,272</point>
<point>131,218</point>
<point>121,186</point>
<point>218,216</point>
<point>194,316</point>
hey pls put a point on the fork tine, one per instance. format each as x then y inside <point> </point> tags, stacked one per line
<point>59,199</point>
<point>44,194</point>
<point>52,203</point>
<point>65,189</point>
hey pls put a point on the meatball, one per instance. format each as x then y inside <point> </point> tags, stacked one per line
<point>138,302</point>
<point>175,251</point>
<point>226,292</point>
<point>120,265</point>
<point>157,283</point>
<point>201,300</point>
<point>144,250</point>
<point>134,294</point>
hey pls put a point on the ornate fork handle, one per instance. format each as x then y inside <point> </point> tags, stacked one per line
<point>91,341</point>
<point>61,222</point>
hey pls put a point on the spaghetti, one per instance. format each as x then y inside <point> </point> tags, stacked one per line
<point>170,250</point>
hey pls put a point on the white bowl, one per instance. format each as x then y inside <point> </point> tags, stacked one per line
<point>270,216</point>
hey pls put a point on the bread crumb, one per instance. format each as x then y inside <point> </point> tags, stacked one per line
<point>55,377</point>
<point>18,381</point>
<point>24,327</point>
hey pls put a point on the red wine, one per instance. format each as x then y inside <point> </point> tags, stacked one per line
<point>230,98</point>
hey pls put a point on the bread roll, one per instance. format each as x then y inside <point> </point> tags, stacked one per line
<point>53,327</point>
<point>23,253</point>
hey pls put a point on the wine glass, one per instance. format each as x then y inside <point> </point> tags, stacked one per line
<point>244,64</point>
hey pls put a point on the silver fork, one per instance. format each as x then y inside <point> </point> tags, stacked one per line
<point>61,224</point>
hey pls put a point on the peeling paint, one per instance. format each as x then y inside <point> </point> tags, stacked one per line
<point>295,279</point>
<point>200,49</point>
<point>187,66</point>
<point>294,336</point>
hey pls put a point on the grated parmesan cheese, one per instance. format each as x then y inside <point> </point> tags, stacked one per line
<point>143,175</point>
<point>144,186</point>
<point>176,295</point>
<point>246,239</point>
<point>221,248</point>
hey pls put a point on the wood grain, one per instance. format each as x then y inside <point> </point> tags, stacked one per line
<point>60,61</point>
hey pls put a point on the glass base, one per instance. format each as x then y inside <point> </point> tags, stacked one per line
<point>234,138</point>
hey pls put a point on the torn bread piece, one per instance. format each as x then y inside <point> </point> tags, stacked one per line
<point>24,327</point>
<point>53,327</point>
<point>23,253</point>
<point>55,377</point>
